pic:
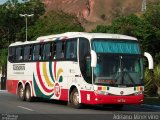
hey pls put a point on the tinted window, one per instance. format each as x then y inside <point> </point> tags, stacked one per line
<point>36,52</point>
<point>84,59</point>
<point>19,53</point>
<point>27,53</point>
<point>46,51</point>
<point>71,49</point>
<point>60,50</point>
<point>84,48</point>
<point>11,54</point>
<point>53,50</point>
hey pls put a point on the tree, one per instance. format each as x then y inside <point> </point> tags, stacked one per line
<point>152,16</point>
<point>11,23</point>
<point>3,62</point>
<point>57,22</point>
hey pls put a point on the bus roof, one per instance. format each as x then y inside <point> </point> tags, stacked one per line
<point>66,35</point>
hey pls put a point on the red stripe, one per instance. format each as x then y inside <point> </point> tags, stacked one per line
<point>12,86</point>
<point>40,80</point>
<point>55,63</point>
<point>64,95</point>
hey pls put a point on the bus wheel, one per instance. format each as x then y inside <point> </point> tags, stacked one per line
<point>117,107</point>
<point>28,94</point>
<point>21,93</point>
<point>74,99</point>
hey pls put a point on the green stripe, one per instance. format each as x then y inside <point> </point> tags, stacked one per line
<point>38,91</point>
<point>50,71</point>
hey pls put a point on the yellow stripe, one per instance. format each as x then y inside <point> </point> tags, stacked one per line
<point>46,76</point>
<point>59,72</point>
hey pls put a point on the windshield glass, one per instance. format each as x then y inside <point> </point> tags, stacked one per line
<point>122,66</point>
<point>118,69</point>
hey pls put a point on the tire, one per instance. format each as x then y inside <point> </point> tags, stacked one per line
<point>21,93</point>
<point>74,99</point>
<point>28,94</point>
<point>117,107</point>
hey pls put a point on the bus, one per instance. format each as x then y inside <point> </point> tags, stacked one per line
<point>80,68</point>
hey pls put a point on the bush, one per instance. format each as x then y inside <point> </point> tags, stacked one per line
<point>149,86</point>
<point>157,75</point>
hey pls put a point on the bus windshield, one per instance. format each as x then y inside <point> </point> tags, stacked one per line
<point>123,67</point>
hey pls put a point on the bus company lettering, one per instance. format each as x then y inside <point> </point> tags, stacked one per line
<point>19,67</point>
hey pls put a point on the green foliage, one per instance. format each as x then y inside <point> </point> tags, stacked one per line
<point>152,15</point>
<point>149,86</point>
<point>157,58</point>
<point>12,26</point>
<point>157,75</point>
<point>54,23</point>
<point>3,57</point>
<point>11,23</point>
<point>3,60</point>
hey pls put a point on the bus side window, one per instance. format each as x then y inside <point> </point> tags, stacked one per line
<point>53,51</point>
<point>41,51</point>
<point>36,52</point>
<point>71,49</point>
<point>27,53</point>
<point>46,51</point>
<point>60,50</point>
<point>19,52</point>
<point>11,57</point>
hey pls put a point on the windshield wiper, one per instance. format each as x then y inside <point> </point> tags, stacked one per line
<point>130,78</point>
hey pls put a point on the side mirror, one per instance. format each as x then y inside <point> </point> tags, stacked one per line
<point>93,58</point>
<point>150,60</point>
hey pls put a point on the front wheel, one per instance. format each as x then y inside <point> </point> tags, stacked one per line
<point>74,99</point>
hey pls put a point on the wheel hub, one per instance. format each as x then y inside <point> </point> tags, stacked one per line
<point>76,98</point>
<point>21,92</point>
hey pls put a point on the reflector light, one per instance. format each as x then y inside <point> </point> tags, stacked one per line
<point>99,88</point>
<point>104,88</point>
<point>141,88</point>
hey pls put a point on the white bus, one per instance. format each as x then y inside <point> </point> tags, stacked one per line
<point>81,68</point>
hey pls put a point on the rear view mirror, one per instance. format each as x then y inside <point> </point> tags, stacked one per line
<point>93,58</point>
<point>150,60</point>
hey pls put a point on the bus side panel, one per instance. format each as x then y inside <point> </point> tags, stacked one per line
<point>12,86</point>
<point>64,95</point>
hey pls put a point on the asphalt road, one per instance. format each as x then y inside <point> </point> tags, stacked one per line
<point>11,107</point>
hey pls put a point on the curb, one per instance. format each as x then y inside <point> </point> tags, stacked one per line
<point>150,106</point>
<point>3,91</point>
